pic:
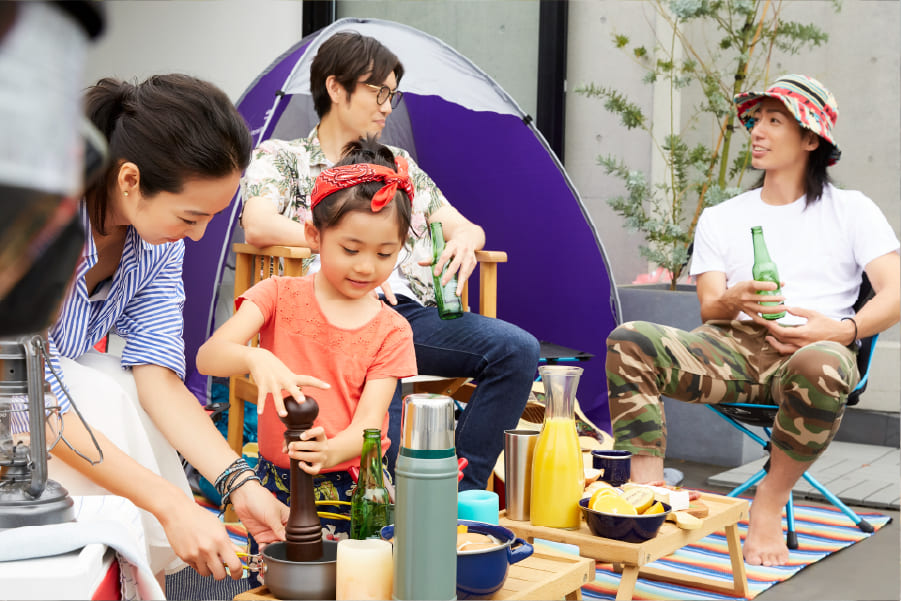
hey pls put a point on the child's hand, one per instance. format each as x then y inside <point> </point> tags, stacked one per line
<point>311,451</point>
<point>273,377</point>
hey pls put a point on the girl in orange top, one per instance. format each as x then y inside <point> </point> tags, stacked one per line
<point>328,324</point>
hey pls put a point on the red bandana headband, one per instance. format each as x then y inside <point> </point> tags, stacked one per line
<point>337,178</point>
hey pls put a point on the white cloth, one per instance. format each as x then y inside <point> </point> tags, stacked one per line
<point>108,399</point>
<point>109,520</point>
<point>820,250</point>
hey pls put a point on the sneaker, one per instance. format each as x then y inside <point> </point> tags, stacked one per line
<point>672,476</point>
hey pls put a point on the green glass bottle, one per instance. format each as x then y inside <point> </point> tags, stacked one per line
<point>369,502</point>
<point>764,270</point>
<point>450,306</point>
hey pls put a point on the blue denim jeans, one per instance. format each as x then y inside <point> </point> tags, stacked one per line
<point>499,356</point>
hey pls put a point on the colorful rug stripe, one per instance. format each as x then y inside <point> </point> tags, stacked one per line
<point>821,531</point>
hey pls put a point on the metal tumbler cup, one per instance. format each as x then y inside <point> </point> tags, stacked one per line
<point>518,448</point>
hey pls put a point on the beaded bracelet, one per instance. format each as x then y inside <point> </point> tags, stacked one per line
<point>229,475</point>
<point>852,320</point>
<point>226,498</point>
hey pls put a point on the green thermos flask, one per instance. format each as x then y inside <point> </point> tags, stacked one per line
<point>425,516</point>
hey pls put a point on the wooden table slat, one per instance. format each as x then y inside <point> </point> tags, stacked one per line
<point>545,574</point>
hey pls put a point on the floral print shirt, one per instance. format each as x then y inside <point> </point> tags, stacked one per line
<point>283,171</point>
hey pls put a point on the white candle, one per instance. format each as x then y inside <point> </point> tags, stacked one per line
<point>364,569</point>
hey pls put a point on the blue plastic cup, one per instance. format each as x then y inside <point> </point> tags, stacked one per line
<point>478,506</point>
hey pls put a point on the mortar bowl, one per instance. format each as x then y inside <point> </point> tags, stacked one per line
<point>300,580</point>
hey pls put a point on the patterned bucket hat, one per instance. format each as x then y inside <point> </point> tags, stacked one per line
<point>814,107</point>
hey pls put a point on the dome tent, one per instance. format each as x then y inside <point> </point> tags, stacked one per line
<point>489,160</point>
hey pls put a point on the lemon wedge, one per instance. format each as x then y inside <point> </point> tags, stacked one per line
<point>601,492</point>
<point>654,509</point>
<point>639,497</point>
<point>613,503</point>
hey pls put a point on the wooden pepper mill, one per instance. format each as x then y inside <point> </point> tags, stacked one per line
<point>303,533</point>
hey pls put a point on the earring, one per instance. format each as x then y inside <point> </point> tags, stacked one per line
<point>125,193</point>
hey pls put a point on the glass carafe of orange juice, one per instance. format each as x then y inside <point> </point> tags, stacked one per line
<point>558,478</point>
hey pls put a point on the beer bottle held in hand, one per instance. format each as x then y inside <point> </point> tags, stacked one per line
<point>369,502</point>
<point>764,270</point>
<point>450,306</point>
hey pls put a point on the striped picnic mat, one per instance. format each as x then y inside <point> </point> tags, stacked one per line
<point>821,531</point>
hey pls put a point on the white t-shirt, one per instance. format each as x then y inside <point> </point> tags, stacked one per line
<point>820,250</point>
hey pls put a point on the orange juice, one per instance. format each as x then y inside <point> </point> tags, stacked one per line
<point>558,478</point>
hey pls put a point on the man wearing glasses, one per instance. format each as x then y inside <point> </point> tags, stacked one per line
<point>354,83</point>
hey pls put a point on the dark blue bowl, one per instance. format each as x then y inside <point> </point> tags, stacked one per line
<point>627,528</point>
<point>482,572</point>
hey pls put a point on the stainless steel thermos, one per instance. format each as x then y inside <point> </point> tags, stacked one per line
<point>425,529</point>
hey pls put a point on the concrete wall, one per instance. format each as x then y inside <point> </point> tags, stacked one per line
<point>230,41</point>
<point>227,42</point>
<point>863,77</point>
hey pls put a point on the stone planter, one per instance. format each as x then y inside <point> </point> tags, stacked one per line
<point>694,433</point>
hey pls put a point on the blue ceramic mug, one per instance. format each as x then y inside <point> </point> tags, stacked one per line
<point>615,466</point>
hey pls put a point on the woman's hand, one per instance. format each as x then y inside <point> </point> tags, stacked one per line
<point>200,540</point>
<point>262,514</point>
<point>311,451</point>
<point>273,377</point>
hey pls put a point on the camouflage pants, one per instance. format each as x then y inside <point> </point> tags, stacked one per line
<point>725,361</point>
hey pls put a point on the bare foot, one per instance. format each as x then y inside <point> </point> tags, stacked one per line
<point>765,542</point>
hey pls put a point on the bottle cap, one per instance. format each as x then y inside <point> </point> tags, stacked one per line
<point>427,423</point>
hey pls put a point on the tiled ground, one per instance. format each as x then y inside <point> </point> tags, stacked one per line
<point>859,474</point>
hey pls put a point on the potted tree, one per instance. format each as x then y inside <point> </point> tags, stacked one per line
<point>713,49</point>
<point>708,50</point>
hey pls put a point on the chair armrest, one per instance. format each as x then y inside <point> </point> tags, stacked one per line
<point>488,260</point>
<point>287,252</point>
<point>491,256</point>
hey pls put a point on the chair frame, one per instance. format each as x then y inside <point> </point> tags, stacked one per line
<point>763,416</point>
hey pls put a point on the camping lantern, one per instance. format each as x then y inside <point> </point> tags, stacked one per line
<point>27,497</point>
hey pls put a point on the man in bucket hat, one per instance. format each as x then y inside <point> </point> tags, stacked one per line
<point>822,239</point>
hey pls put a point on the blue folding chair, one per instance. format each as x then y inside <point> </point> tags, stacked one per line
<point>741,415</point>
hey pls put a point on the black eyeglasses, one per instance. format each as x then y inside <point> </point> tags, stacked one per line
<point>384,93</point>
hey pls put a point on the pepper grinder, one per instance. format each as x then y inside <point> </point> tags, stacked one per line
<point>303,533</point>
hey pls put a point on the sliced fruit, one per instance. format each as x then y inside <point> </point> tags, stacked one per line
<point>640,498</point>
<point>613,504</point>
<point>601,492</point>
<point>654,509</point>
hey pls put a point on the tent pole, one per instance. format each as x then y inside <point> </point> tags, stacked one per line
<point>317,14</point>
<point>552,31</point>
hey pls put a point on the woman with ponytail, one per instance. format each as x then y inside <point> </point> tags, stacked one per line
<point>177,148</point>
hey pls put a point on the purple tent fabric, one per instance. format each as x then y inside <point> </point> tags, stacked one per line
<point>205,260</point>
<point>498,171</point>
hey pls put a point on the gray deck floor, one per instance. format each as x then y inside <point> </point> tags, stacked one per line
<point>859,474</point>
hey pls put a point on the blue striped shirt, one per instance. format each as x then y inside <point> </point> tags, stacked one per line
<point>143,306</point>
